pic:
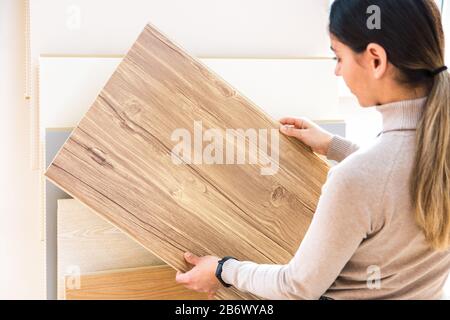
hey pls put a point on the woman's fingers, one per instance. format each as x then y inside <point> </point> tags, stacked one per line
<point>211,295</point>
<point>307,132</point>
<point>292,132</point>
<point>183,278</point>
<point>300,123</point>
<point>191,258</point>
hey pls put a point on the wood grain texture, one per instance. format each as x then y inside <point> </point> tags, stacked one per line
<point>118,162</point>
<point>87,243</point>
<point>147,283</point>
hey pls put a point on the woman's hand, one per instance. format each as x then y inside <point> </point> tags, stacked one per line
<point>202,277</point>
<point>307,132</point>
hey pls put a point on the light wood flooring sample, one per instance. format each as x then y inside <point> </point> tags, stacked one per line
<point>119,161</point>
<point>87,243</point>
<point>146,283</point>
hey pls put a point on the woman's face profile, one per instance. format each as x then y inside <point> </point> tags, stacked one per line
<point>362,72</point>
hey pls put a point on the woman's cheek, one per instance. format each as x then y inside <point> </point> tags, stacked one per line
<point>349,81</point>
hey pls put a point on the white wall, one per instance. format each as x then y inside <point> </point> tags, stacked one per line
<point>21,249</point>
<point>206,28</point>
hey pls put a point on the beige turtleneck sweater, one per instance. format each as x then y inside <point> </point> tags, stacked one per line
<point>363,242</point>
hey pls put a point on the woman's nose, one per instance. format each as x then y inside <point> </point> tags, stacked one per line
<point>337,70</point>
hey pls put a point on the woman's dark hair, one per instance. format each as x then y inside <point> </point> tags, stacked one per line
<point>412,35</point>
<point>410,31</point>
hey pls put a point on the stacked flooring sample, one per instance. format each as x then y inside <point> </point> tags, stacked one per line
<point>147,283</point>
<point>98,261</point>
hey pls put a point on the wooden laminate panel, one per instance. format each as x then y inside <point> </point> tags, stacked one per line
<point>87,243</point>
<point>146,283</point>
<point>119,162</point>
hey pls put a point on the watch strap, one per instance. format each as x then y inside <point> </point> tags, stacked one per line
<point>219,270</point>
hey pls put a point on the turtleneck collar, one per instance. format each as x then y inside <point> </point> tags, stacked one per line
<point>402,115</point>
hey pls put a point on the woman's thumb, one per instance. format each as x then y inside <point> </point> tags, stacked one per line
<point>191,258</point>
<point>291,131</point>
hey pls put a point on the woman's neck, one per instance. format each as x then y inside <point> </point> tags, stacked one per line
<point>398,93</point>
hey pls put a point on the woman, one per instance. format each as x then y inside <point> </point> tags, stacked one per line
<point>382,226</point>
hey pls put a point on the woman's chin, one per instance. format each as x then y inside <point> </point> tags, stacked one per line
<point>364,103</point>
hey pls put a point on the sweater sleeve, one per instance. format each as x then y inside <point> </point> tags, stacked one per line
<point>340,148</point>
<point>340,224</point>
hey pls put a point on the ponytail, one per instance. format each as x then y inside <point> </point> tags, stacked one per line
<point>430,179</point>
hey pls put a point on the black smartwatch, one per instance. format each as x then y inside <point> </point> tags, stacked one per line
<point>219,270</point>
